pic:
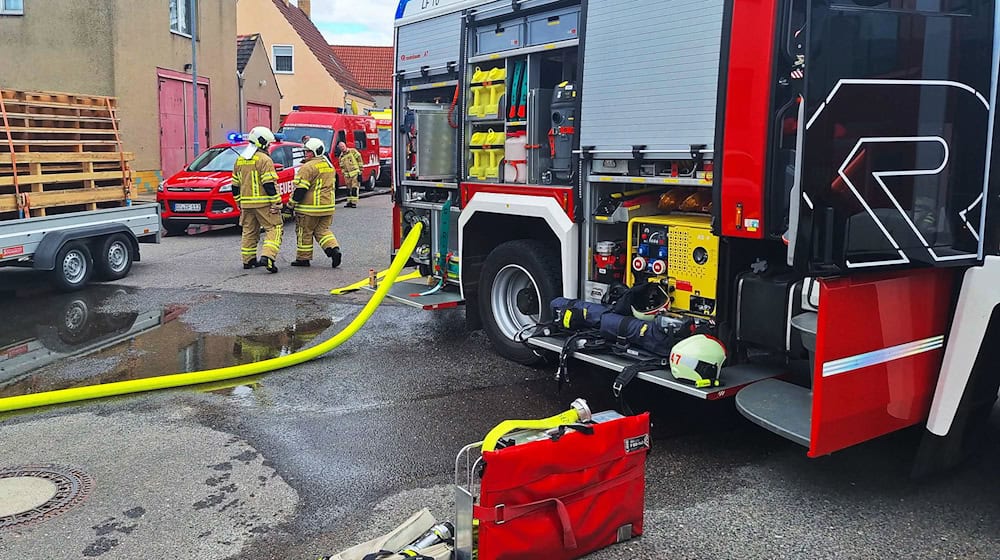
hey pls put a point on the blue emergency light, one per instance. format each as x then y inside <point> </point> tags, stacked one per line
<point>234,137</point>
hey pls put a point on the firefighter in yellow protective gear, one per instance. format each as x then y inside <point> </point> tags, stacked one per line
<point>351,165</point>
<point>313,202</point>
<point>255,190</point>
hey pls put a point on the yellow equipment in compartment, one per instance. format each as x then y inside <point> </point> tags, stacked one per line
<point>691,267</point>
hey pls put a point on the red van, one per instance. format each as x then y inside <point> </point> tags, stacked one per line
<point>202,192</point>
<point>331,124</point>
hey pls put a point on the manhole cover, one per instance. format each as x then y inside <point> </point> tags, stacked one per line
<point>39,492</point>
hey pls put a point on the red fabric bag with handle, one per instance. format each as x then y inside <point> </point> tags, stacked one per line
<point>562,499</point>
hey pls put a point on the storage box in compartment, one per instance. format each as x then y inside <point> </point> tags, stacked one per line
<point>550,27</point>
<point>502,37</point>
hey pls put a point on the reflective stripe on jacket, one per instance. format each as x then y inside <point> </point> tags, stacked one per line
<point>249,176</point>
<point>351,163</point>
<point>319,179</point>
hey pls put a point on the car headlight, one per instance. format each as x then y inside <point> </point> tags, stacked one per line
<point>159,187</point>
<point>228,187</point>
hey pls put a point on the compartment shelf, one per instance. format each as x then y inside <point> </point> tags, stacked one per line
<point>435,85</point>
<point>672,181</point>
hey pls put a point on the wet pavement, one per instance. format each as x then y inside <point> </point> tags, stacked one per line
<point>315,458</point>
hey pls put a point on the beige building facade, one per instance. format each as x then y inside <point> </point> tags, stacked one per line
<point>140,52</point>
<point>313,76</point>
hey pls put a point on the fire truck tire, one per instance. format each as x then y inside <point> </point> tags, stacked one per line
<point>74,267</point>
<point>114,261</point>
<point>369,185</point>
<point>518,280</point>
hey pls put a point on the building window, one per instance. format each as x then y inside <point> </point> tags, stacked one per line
<point>180,16</point>
<point>11,7</point>
<point>281,59</point>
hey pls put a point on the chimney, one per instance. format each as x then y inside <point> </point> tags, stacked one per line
<point>306,7</point>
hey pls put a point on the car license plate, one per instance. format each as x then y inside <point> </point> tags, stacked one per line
<point>187,207</point>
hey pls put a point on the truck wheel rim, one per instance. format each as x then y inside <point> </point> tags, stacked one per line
<point>74,267</point>
<point>117,256</point>
<point>510,283</point>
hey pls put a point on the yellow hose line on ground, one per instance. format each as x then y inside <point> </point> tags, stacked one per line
<point>213,375</point>
<point>362,283</point>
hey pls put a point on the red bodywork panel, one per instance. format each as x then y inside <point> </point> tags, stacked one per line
<point>879,346</point>
<point>748,113</point>
<point>563,195</point>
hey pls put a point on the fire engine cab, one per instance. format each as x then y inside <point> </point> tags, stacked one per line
<point>810,180</point>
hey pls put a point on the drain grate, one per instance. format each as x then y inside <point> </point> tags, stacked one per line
<point>71,487</point>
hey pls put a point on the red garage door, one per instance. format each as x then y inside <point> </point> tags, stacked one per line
<point>258,115</point>
<point>176,122</point>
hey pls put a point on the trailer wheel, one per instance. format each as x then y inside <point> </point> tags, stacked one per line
<point>518,280</point>
<point>74,266</point>
<point>115,259</point>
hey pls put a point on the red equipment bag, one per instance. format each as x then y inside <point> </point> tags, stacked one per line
<point>562,499</point>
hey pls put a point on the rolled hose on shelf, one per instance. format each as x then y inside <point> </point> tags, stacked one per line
<point>233,372</point>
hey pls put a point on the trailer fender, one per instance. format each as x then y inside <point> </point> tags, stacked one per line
<point>48,248</point>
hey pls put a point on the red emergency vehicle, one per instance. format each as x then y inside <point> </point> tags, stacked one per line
<point>332,125</point>
<point>383,120</point>
<point>202,193</point>
<point>813,180</point>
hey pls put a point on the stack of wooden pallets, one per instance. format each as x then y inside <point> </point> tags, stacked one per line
<point>60,153</point>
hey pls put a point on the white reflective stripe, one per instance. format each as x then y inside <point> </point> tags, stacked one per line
<point>851,363</point>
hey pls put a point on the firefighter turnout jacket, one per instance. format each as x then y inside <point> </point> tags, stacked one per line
<point>255,181</point>
<point>314,188</point>
<point>351,164</point>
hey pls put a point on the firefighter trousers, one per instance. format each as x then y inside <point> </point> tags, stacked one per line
<point>308,228</point>
<point>252,220</point>
<point>353,189</point>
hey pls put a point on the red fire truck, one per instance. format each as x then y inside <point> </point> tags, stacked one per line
<point>812,179</point>
<point>333,125</point>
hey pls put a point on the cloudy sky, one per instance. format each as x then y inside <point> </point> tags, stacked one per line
<point>355,22</point>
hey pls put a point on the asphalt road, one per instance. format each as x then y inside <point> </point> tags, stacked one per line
<point>315,458</point>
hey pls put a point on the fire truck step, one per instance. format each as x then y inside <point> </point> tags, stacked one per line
<point>734,378</point>
<point>406,293</point>
<point>778,406</point>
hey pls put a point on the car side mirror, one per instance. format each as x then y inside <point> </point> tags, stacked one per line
<point>278,167</point>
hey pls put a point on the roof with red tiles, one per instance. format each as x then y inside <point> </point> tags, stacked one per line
<point>313,38</point>
<point>371,66</point>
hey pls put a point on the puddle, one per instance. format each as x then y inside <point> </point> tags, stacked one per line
<point>57,341</point>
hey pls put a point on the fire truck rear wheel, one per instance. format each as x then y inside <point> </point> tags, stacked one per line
<point>518,280</point>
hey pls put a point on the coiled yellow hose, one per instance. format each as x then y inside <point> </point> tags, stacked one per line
<point>60,396</point>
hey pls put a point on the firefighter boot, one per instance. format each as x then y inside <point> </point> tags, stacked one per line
<point>335,255</point>
<point>268,263</point>
<point>251,264</point>
<point>300,262</point>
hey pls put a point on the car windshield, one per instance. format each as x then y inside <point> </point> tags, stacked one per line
<point>215,159</point>
<point>297,133</point>
<point>385,137</point>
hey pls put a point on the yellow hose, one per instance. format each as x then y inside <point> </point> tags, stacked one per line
<point>213,375</point>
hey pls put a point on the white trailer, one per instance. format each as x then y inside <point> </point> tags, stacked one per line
<point>77,247</point>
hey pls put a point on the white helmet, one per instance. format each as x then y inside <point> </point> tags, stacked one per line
<point>260,136</point>
<point>698,359</point>
<point>316,146</point>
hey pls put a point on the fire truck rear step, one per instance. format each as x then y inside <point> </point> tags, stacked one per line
<point>408,292</point>
<point>734,378</point>
<point>780,407</point>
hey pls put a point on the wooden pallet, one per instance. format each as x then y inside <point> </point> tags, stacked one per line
<point>62,151</point>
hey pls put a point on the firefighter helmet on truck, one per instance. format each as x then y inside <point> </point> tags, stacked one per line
<point>649,300</point>
<point>698,359</point>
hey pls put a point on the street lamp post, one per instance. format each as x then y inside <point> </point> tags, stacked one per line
<point>194,77</point>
